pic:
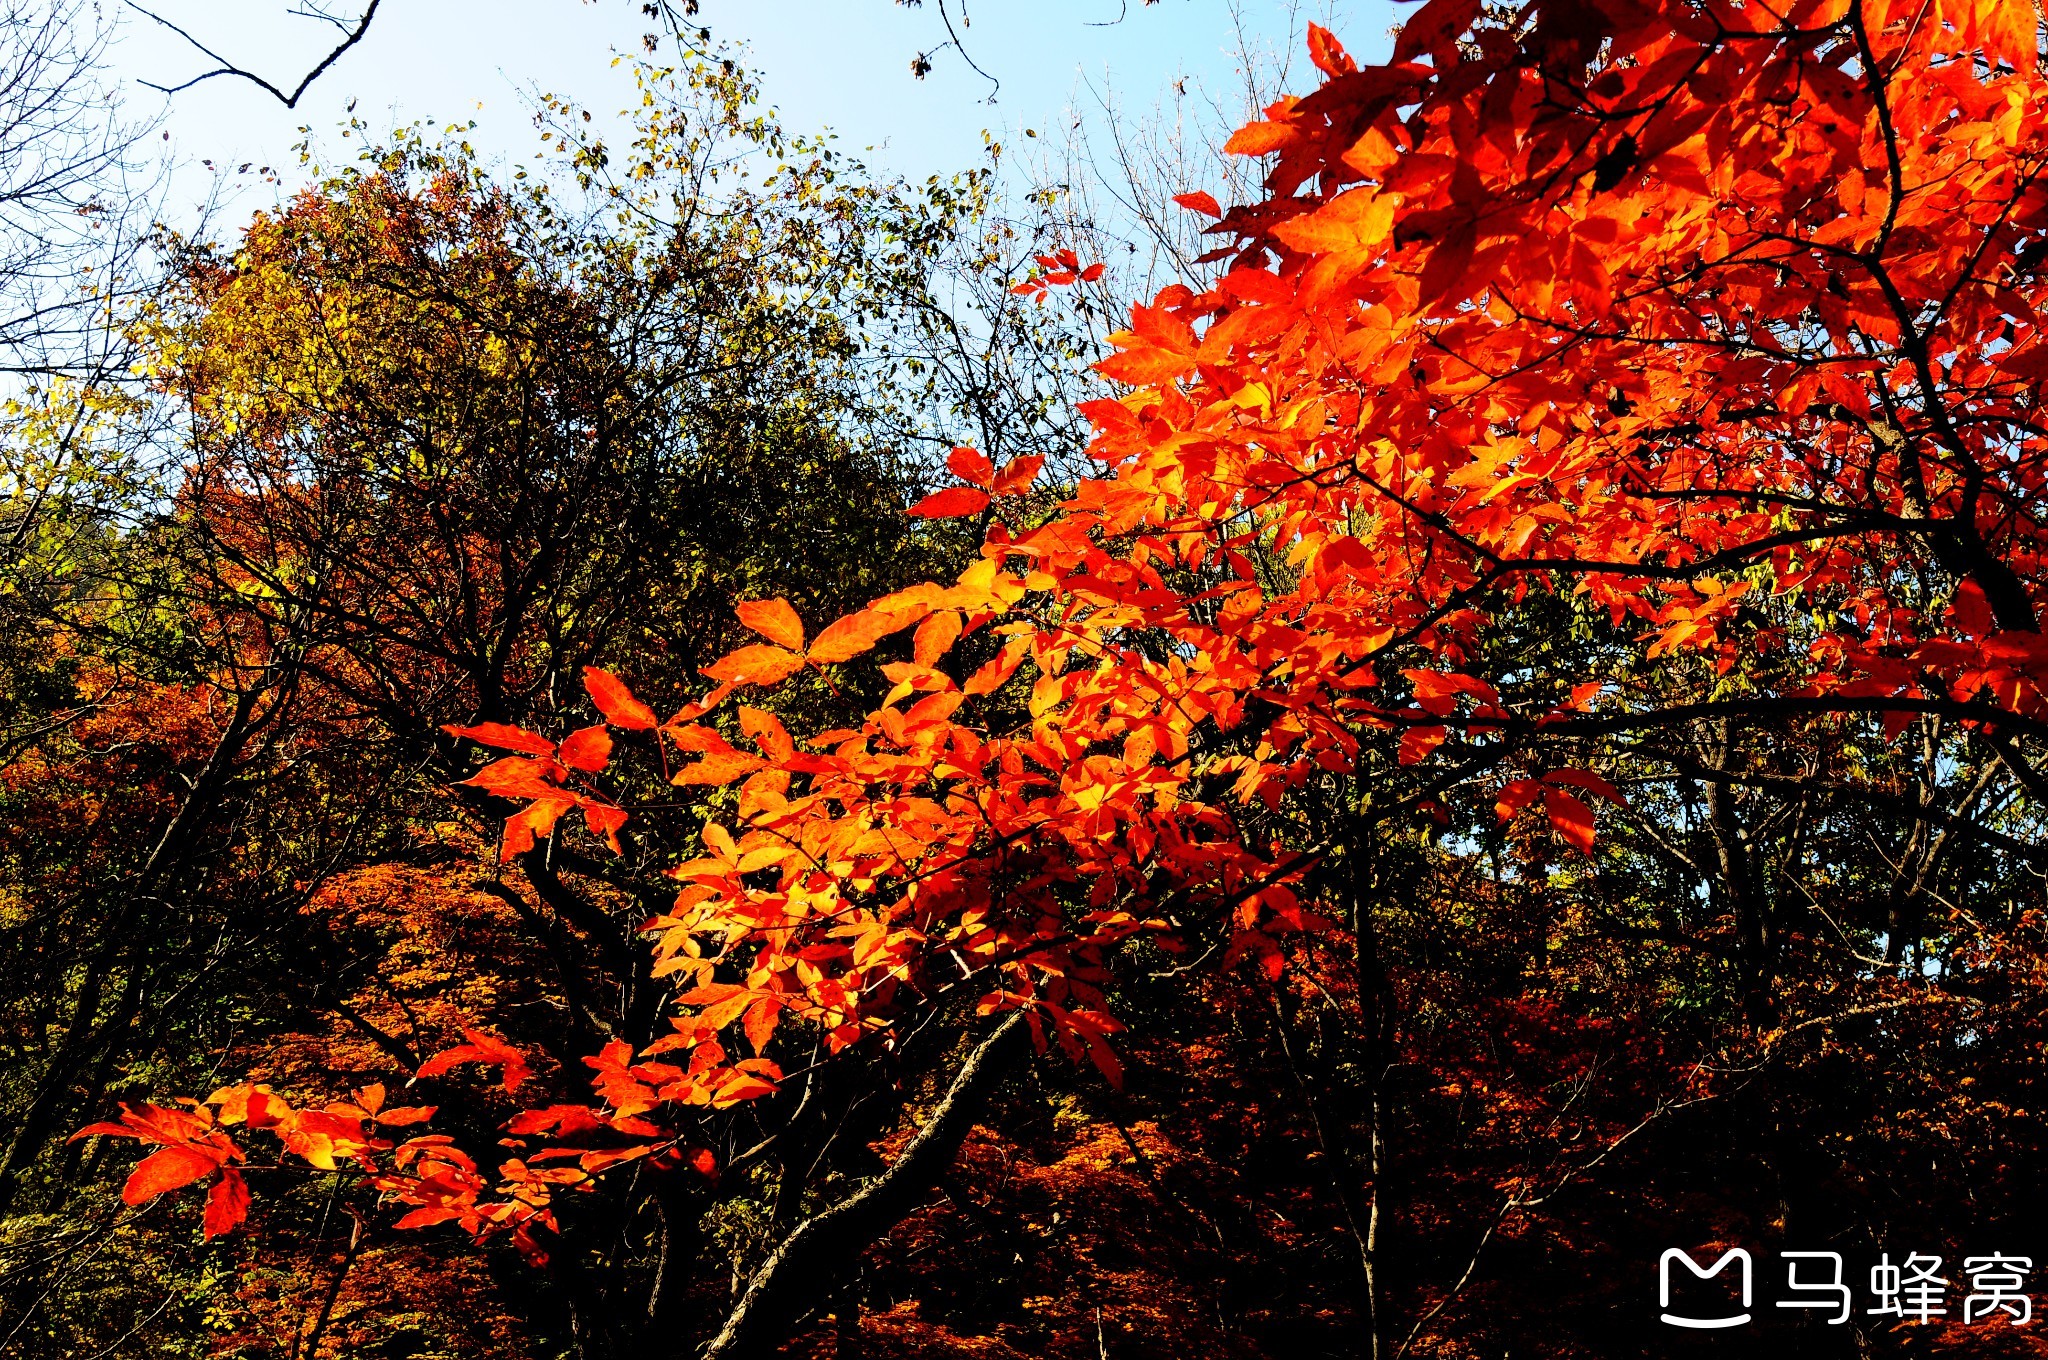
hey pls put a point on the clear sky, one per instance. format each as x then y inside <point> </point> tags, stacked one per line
<point>837,63</point>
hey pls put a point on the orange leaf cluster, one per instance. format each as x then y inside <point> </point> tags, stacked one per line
<point>1648,305</point>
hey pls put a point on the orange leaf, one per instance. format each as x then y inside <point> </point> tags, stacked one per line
<point>1146,366</point>
<point>970,465</point>
<point>720,767</point>
<point>1570,818</point>
<point>251,1105</point>
<point>487,1049</point>
<point>605,1159</point>
<point>1327,53</point>
<point>854,634</point>
<point>755,665</point>
<point>710,993</point>
<point>1259,139</point>
<point>535,820</point>
<point>1201,202</point>
<point>605,821</point>
<point>935,637</point>
<point>172,1168</point>
<point>588,749</point>
<point>515,777</point>
<point>227,1204</point>
<point>738,1089</point>
<point>1434,25</point>
<point>1018,475</point>
<point>1515,797</point>
<point>1354,226</point>
<point>910,605</point>
<point>768,733</point>
<point>774,620</point>
<point>991,677</point>
<point>719,1014</point>
<point>1418,742</point>
<point>951,503</point>
<point>517,839</point>
<point>616,702</point>
<point>503,737</point>
<point>760,1022</point>
<point>692,712</point>
<point>1590,782</point>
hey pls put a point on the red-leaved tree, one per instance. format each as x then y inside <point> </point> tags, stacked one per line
<point>1652,310</point>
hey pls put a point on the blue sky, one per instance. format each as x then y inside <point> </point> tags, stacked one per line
<point>837,63</point>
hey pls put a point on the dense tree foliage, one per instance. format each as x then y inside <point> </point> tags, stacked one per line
<point>1511,741</point>
<point>413,450</point>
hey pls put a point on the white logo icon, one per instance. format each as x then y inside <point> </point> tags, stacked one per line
<point>1736,1254</point>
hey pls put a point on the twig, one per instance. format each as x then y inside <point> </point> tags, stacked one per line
<point>922,62</point>
<point>228,68</point>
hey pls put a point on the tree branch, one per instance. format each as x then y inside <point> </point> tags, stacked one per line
<point>799,1271</point>
<point>351,37</point>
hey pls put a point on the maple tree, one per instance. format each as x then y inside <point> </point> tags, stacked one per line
<point>1608,456</point>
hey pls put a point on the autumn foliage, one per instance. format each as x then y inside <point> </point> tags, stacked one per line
<point>1612,449</point>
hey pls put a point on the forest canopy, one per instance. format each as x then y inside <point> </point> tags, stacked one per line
<point>713,753</point>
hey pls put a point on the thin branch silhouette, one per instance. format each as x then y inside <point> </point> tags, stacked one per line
<point>351,36</point>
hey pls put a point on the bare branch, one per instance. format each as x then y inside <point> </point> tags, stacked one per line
<point>921,64</point>
<point>351,37</point>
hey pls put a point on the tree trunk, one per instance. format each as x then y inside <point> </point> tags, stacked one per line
<point>799,1273</point>
<point>1754,939</point>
